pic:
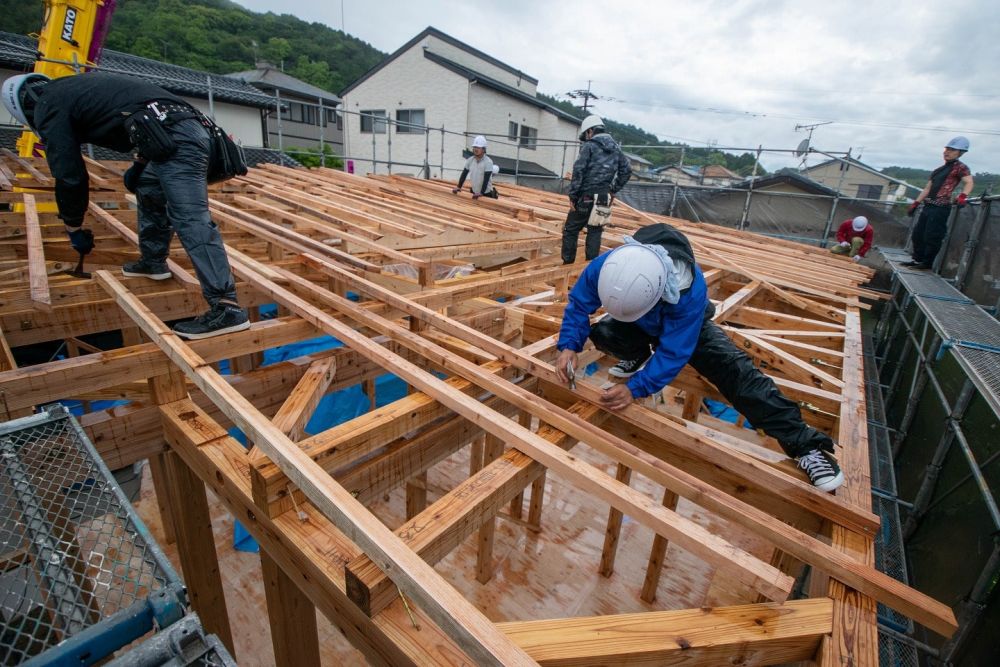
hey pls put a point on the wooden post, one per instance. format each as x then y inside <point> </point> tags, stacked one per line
<point>614,529</point>
<point>416,495</point>
<point>293,618</point>
<point>692,405</point>
<point>656,555</point>
<point>193,526</point>
<point>492,450</point>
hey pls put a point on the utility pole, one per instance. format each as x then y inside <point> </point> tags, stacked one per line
<point>585,94</point>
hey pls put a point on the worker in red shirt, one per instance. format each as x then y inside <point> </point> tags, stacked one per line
<point>854,238</point>
<point>932,225</point>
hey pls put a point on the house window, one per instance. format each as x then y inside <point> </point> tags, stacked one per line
<point>310,114</point>
<point>529,137</point>
<point>373,121</point>
<point>512,130</point>
<point>331,117</point>
<point>286,112</point>
<point>869,192</point>
<point>410,121</point>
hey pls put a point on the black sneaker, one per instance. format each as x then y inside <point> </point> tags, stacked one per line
<point>627,368</point>
<point>144,269</point>
<point>822,468</point>
<point>923,267</point>
<point>221,319</point>
<point>912,262</point>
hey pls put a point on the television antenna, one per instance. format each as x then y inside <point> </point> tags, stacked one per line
<point>802,150</point>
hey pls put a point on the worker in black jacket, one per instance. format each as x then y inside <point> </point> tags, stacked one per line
<point>600,171</point>
<point>170,178</point>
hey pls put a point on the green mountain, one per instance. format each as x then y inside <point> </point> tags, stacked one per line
<point>220,36</point>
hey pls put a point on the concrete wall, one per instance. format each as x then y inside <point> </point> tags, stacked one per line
<point>411,81</point>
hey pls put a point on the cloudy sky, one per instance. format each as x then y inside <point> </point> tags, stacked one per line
<point>898,79</point>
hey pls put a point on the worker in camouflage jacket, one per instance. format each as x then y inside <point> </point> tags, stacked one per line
<point>600,171</point>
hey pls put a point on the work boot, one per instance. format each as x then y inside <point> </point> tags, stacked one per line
<point>626,368</point>
<point>146,269</point>
<point>222,318</point>
<point>822,469</point>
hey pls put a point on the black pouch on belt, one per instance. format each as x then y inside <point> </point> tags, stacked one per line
<point>148,133</point>
<point>226,159</point>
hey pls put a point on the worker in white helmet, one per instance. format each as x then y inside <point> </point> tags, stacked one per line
<point>659,318</point>
<point>932,225</point>
<point>479,170</point>
<point>854,238</point>
<point>599,172</point>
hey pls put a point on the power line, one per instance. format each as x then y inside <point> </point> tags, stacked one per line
<point>848,121</point>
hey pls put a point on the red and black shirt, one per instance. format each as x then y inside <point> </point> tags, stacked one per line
<point>944,179</point>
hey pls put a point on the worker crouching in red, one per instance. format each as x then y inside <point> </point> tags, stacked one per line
<point>854,238</point>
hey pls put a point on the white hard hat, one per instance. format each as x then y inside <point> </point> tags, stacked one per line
<point>12,94</point>
<point>631,282</point>
<point>496,169</point>
<point>859,223</point>
<point>479,142</point>
<point>589,123</point>
<point>958,143</point>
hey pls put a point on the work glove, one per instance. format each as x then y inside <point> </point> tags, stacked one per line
<point>844,244</point>
<point>856,258</point>
<point>82,240</point>
<point>913,209</point>
<point>455,191</point>
<point>962,200</point>
<point>132,174</point>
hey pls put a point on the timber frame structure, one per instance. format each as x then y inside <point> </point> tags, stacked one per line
<point>475,351</point>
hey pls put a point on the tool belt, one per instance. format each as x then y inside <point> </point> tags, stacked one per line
<point>600,214</point>
<point>147,128</point>
<point>148,132</point>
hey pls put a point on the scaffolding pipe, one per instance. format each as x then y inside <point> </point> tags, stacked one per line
<point>929,484</point>
<point>746,203</point>
<point>972,607</point>
<point>969,251</point>
<point>977,473</point>
<point>322,134</point>
<point>673,195</point>
<point>917,387</point>
<point>836,199</point>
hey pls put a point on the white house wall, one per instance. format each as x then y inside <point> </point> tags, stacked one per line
<point>411,81</point>
<point>242,122</point>
<point>462,57</point>
<point>490,111</point>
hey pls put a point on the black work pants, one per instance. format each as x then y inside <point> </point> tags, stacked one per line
<point>732,371</point>
<point>576,220</point>
<point>173,197</point>
<point>929,232</point>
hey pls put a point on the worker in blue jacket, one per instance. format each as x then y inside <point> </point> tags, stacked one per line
<point>659,319</point>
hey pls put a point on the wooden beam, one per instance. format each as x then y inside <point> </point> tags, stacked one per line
<point>665,426</point>
<point>685,533</point>
<point>38,277</point>
<point>761,634</point>
<point>418,580</point>
<point>298,408</point>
